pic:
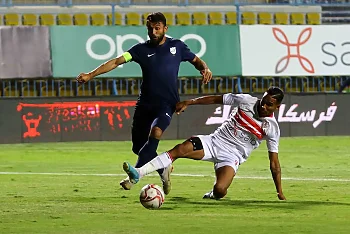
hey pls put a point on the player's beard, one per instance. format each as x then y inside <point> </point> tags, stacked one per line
<point>157,40</point>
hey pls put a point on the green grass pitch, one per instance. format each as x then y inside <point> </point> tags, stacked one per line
<point>74,188</point>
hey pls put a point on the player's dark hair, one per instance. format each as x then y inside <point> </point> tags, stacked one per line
<point>276,93</point>
<point>156,17</point>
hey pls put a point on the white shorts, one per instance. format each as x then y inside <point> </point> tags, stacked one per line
<point>220,157</point>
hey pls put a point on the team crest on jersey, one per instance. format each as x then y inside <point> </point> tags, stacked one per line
<point>265,126</point>
<point>173,50</point>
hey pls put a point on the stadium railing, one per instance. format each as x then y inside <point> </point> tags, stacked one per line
<point>331,12</point>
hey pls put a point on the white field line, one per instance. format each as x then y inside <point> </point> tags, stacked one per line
<point>175,174</point>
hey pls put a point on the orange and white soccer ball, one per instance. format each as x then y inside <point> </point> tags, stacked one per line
<point>152,196</point>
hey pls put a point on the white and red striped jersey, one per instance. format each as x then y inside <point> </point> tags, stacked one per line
<point>244,130</point>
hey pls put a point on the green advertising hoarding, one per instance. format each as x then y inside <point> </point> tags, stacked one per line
<point>77,49</point>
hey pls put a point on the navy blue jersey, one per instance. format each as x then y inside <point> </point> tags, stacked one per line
<point>160,66</point>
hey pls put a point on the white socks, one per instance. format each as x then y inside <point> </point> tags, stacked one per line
<point>161,161</point>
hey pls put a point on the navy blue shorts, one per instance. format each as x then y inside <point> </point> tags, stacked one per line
<point>145,118</point>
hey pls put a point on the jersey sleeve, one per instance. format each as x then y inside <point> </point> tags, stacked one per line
<point>133,54</point>
<point>235,99</point>
<point>186,53</point>
<point>273,137</point>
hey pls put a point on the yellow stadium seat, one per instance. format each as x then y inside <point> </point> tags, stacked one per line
<point>199,18</point>
<point>297,18</point>
<point>264,18</point>
<point>80,19</point>
<point>248,17</point>
<point>169,18</point>
<point>83,90</point>
<point>48,91</point>
<point>313,18</point>
<point>28,91</point>
<point>231,17</point>
<point>11,19</point>
<point>0,19</point>
<point>46,19</point>
<point>97,19</point>
<point>215,18</point>
<point>101,90</point>
<point>281,18</point>
<point>117,19</point>
<point>144,17</point>
<point>11,92</point>
<point>29,19</point>
<point>183,18</point>
<point>132,18</point>
<point>64,19</point>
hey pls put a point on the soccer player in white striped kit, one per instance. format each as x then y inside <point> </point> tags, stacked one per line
<point>251,121</point>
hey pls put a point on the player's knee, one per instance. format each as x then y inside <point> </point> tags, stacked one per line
<point>136,149</point>
<point>156,132</point>
<point>219,191</point>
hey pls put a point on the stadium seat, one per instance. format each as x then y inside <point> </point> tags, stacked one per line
<point>182,85</point>
<point>11,19</point>
<point>281,18</point>
<point>101,90</point>
<point>65,91</point>
<point>214,86</point>
<point>84,90</point>
<point>263,84</point>
<point>144,17</point>
<point>64,19</point>
<point>297,18</point>
<point>80,19</point>
<point>117,19</point>
<point>313,18</point>
<point>264,18</point>
<point>29,19</point>
<point>183,18</point>
<point>231,17</point>
<point>248,18</point>
<point>199,18</point>
<point>132,18</point>
<point>169,18</point>
<point>48,91</point>
<point>46,19</point>
<point>215,18</point>
<point>248,84</point>
<point>97,19</point>
<point>29,91</point>
<point>10,92</point>
<point>228,85</point>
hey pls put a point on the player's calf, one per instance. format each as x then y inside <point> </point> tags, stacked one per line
<point>219,191</point>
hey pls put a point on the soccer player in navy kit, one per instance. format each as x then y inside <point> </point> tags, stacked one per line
<point>160,59</point>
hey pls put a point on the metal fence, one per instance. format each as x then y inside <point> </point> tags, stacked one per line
<point>132,86</point>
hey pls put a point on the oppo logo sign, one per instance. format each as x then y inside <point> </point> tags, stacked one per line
<point>116,45</point>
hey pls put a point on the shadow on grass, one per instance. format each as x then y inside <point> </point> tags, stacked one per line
<point>288,204</point>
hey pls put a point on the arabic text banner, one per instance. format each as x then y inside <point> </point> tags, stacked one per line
<point>43,120</point>
<point>293,50</point>
<point>299,115</point>
<point>81,49</point>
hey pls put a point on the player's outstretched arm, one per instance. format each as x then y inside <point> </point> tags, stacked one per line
<point>201,66</point>
<point>276,174</point>
<point>205,100</point>
<point>103,68</point>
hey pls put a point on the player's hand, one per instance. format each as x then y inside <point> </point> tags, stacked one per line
<point>83,77</point>
<point>281,196</point>
<point>181,106</point>
<point>207,75</point>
